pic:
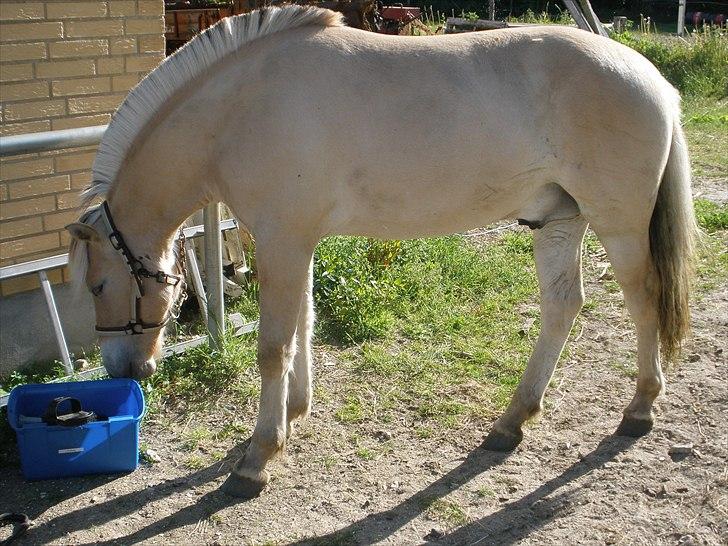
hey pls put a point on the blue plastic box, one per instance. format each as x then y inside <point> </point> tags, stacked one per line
<point>101,447</point>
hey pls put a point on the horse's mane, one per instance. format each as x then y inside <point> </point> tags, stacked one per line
<point>78,250</point>
<point>188,62</point>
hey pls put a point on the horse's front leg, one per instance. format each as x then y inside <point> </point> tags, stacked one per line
<point>283,269</point>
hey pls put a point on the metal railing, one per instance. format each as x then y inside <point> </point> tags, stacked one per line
<point>211,303</point>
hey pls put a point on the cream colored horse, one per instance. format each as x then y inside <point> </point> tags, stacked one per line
<point>307,128</point>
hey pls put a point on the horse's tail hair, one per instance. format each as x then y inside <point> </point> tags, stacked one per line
<point>673,234</point>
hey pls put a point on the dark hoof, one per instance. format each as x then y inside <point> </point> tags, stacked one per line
<point>502,441</point>
<point>634,428</point>
<point>243,487</point>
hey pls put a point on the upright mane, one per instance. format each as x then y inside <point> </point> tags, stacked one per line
<point>212,45</point>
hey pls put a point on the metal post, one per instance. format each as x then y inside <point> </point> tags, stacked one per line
<point>681,17</point>
<point>196,278</point>
<point>213,274</point>
<point>56,321</point>
<point>51,140</point>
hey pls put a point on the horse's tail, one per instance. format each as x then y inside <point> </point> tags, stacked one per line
<point>673,233</point>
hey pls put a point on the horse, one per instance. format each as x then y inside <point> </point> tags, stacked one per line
<point>554,126</point>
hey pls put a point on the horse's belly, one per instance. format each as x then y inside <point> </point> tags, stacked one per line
<point>401,209</point>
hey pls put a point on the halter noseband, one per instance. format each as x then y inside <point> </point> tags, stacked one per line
<point>136,325</point>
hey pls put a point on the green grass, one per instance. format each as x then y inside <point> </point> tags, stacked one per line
<point>544,18</point>
<point>447,512</point>
<point>711,216</point>
<point>696,66</point>
<point>706,128</point>
<point>450,349</point>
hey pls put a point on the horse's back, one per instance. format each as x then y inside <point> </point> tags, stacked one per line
<point>422,135</point>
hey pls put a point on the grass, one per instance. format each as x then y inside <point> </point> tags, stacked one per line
<point>450,349</point>
<point>696,66</point>
<point>706,128</point>
<point>711,217</point>
<point>563,17</point>
<point>446,512</point>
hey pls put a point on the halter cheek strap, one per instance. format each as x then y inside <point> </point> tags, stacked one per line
<point>137,271</point>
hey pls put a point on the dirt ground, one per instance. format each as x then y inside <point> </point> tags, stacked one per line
<point>570,482</point>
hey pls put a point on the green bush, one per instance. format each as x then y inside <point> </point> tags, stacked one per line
<point>363,288</point>
<point>352,282</point>
<point>696,67</point>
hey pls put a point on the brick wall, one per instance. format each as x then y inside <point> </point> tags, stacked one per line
<point>62,65</point>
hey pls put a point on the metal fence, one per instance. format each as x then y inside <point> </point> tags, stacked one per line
<point>211,300</point>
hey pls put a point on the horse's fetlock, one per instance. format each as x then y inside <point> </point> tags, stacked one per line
<point>273,441</point>
<point>526,407</point>
<point>533,409</point>
<point>651,387</point>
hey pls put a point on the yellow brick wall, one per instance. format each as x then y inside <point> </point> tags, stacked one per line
<point>63,64</point>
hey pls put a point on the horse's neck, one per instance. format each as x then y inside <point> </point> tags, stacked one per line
<point>148,214</point>
<point>163,179</point>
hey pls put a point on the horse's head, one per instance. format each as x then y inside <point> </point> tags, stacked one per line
<point>133,295</point>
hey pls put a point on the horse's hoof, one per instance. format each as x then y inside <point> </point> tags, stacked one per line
<point>634,428</point>
<point>502,441</point>
<point>244,487</point>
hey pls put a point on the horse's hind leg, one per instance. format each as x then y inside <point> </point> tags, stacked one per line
<point>630,257</point>
<point>557,249</point>
<point>283,269</point>
<point>299,378</point>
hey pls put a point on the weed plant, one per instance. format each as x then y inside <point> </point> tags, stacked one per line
<point>563,17</point>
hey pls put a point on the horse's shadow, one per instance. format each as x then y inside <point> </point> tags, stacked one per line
<point>512,522</point>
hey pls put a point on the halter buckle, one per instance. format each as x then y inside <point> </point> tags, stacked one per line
<point>134,329</point>
<point>116,241</point>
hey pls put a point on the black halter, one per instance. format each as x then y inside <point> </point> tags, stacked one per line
<point>136,325</point>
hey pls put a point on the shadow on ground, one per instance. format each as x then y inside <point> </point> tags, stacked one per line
<point>100,513</point>
<point>511,523</point>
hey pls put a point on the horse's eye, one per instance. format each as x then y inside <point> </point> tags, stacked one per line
<point>96,290</point>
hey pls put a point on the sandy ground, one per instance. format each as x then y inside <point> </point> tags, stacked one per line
<point>570,482</point>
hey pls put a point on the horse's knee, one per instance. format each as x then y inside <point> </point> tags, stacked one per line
<point>275,358</point>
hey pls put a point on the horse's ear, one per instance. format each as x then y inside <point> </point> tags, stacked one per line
<point>83,232</point>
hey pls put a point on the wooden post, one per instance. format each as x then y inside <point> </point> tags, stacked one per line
<point>619,24</point>
<point>591,17</point>
<point>681,17</point>
<point>491,10</point>
<point>578,16</point>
